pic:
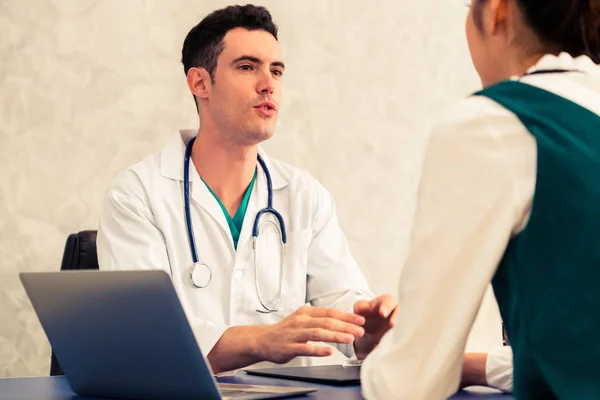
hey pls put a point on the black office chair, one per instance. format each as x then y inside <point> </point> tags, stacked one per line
<point>80,253</point>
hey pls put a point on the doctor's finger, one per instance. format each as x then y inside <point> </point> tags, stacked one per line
<point>323,335</point>
<point>393,317</point>
<point>381,306</point>
<point>387,305</point>
<point>362,306</point>
<point>321,312</point>
<point>308,350</point>
<point>335,325</point>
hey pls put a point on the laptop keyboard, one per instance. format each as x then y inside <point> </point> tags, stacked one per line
<point>240,390</point>
<point>243,393</point>
<point>235,390</point>
<point>235,386</point>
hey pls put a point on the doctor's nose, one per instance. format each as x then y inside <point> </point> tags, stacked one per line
<point>266,84</point>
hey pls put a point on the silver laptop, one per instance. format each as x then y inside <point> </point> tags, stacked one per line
<point>124,334</point>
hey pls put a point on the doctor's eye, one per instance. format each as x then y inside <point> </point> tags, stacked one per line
<point>245,67</point>
<point>277,72</point>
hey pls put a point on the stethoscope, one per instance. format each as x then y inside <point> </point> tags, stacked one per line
<point>200,273</point>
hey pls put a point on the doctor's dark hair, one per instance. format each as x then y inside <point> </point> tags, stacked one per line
<point>204,43</point>
<point>572,26</point>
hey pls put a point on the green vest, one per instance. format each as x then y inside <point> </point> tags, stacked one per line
<point>548,282</point>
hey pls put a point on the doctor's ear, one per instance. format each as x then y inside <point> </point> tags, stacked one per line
<point>199,81</point>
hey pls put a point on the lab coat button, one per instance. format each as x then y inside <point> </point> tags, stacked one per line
<point>238,275</point>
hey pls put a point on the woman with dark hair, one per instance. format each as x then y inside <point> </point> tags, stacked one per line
<point>510,194</point>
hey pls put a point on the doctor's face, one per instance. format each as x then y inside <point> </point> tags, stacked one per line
<point>243,102</point>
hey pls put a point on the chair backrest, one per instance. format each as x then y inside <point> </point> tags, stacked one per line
<point>80,253</point>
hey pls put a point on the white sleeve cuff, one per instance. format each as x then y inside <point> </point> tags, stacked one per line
<point>499,369</point>
<point>207,334</point>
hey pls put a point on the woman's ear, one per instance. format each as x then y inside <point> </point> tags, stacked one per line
<point>499,11</point>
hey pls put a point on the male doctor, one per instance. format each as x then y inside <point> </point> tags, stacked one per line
<point>234,69</point>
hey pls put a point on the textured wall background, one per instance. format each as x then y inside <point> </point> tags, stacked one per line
<point>88,87</point>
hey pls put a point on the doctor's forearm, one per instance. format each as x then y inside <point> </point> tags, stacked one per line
<point>240,346</point>
<point>237,348</point>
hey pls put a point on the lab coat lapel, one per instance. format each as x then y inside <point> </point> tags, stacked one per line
<point>204,198</point>
<point>172,160</point>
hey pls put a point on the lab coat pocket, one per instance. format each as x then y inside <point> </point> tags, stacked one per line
<point>286,271</point>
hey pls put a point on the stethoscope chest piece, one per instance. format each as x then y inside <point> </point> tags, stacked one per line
<point>200,275</point>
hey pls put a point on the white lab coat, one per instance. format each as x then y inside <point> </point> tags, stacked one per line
<point>142,226</point>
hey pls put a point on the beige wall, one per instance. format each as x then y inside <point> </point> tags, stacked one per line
<point>88,87</point>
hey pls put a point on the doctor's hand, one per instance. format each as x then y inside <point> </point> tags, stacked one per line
<point>380,314</point>
<point>287,339</point>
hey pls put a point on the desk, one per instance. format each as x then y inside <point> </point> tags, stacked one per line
<point>57,388</point>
